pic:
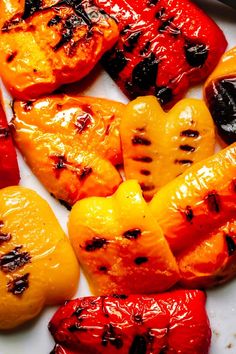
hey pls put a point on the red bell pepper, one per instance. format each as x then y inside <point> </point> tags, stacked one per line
<point>165,46</point>
<point>174,322</point>
<point>9,171</point>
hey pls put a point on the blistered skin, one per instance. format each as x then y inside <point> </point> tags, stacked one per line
<point>164,47</point>
<point>197,213</point>
<point>72,144</point>
<point>45,44</point>
<point>174,322</point>
<point>37,264</point>
<point>9,171</point>
<point>120,246</point>
<point>159,146</point>
<point>220,95</point>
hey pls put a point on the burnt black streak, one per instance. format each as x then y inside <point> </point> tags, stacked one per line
<point>31,6</point>
<point>14,260</point>
<point>54,21</point>
<point>95,244</point>
<point>65,204</point>
<point>114,62</point>
<point>213,202</point>
<point>230,245</point>
<point>77,328</point>
<point>145,72</point>
<point>189,133</point>
<point>132,234</point>
<point>146,159</point>
<point>103,269</point>
<point>85,172</point>
<point>160,13</point>
<point>164,94</point>
<point>146,48</point>
<point>11,57</point>
<point>110,336</point>
<point>187,148</point>
<point>140,260</point>
<point>221,98</point>
<point>18,285</point>
<point>4,238</point>
<point>183,162</point>
<point>139,345</point>
<point>196,54</point>
<point>138,140</point>
<point>131,41</point>
<point>4,133</point>
<point>188,212</point>
<point>168,27</point>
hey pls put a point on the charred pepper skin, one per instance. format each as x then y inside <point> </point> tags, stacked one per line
<point>174,322</point>
<point>9,170</point>
<point>158,52</point>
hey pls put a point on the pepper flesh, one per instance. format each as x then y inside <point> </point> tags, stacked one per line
<point>37,264</point>
<point>174,322</point>
<point>119,245</point>
<point>44,45</point>
<point>159,146</point>
<point>72,144</point>
<point>164,47</point>
<point>9,171</point>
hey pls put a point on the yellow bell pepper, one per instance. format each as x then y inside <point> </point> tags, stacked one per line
<point>158,146</point>
<point>119,245</point>
<point>37,263</point>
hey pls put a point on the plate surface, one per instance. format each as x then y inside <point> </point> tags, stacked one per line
<point>221,304</point>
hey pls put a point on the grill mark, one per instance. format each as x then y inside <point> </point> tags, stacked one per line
<point>213,202</point>
<point>14,260</point>
<point>8,25</point>
<point>230,245</point>
<point>187,148</point>
<point>54,21</point>
<point>145,172</point>
<point>95,244</point>
<point>18,285</point>
<point>138,140</point>
<point>78,312</point>
<point>68,31</point>
<point>145,72</point>
<point>83,122</point>
<point>85,172</point>
<point>147,187</point>
<point>114,62</point>
<point>160,13</point>
<point>11,57</point>
<point>4,238</point>
<point>138,346</point>
<point>146,48</point>
<point>31,6</point>
<point>145,159</point>
<point>196,54</point>
<point>4,133</point>
<point>190,133</point>
<point>168,27</point>
<point>132,234</point>
<point>77,328</point>
<point>110,336</point>
<point>125,30</point>
<point>183,162</point>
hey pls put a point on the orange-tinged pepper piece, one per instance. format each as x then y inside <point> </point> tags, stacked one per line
<point>119,245</point>
<point>158,146</point>
<point>43,46</point>
<point>37,264</point>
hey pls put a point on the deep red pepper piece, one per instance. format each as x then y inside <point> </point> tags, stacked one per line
<point>9,171</point>
<point>165,46</point>
<point>174,322</point>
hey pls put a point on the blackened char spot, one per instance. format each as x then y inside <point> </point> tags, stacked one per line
<point>27,105</point>
<point>85,172</point>
<point>83,122</point>
<point>4,133</point>
<point>213,202</point>
<point>60,164</point>
<point>145,172</point>
<point>110,336</point>
<point>132,234</point>
<point>188,213</point>
<point>146,159</point>
<point>168,27</point>
<point>114,62</point>
<point>131,41</point>
<point>187,148</point>
<point>230,245</point>
<point>120,296</point>
<point>65,204</point>
<point>146,48</point>
<point>95,244</point>
<point>138,346</point>
<point>139,140</point>
<point>152,2</point>
<point>147,187</point>
<point>11,56</point>
<point>125,30</point>
<point>140,260</point>
<point>68,31</point>
<point>189,133</point>
<point>18,285</point>
<point>76,327</point>
<point>145,72</point>
<point>14,260</point>
<point>4,237</point>
<point>78,311</point>
<point>103,269</point>
<point>196,53</point>
<point>160,13</point>
<point>164,94</point>
<point>31,6</point>
<point>54,21</point>
<point>183,162</point>
<point>138,318</point>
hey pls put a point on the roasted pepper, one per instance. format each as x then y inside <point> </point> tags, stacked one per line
<point>45,44</point>
<point>72,144</point>
<point>9,171</point>
<point>37,264</point>
<point>220,95</point>
<point>164,47</point>
<point>119,245</point>
<point>197,213</point>
<point>174,322</point>
<point>159,146</point>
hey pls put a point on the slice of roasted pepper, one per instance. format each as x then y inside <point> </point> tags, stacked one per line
<point>120,246</point>
<point>164,47</point>
<point>220,95</point>
<point>174,322</point>
<point>9,171</point>
<point>72,144</point>
<point>49,43</point>
<point>37,264</point>
<point>197,213</point>
<point>159,146</point>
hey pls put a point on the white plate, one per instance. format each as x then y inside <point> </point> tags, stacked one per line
<point>221,305</point>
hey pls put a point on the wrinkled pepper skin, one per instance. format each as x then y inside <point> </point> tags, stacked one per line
<point>120,246</point>
<point>44,45</point>
<point>164,47</point>
<point>37,264</point>
<point>220,95</point>
<point>175,322</point>
<point>197,213</point>
<point>9,171</point>
<point>159,146</point>
<point>72,144</point>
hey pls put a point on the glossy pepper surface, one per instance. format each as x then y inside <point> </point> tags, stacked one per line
<point>159,146</point>
<point>119,244</point>
<point>220,95</point>
<point>45,44</point>
<point>9,171</point>
<point>37,264</point>
<point>72,144</point>
<point>174,322</point>
<point>164,47</point>
<point>197,213</point>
